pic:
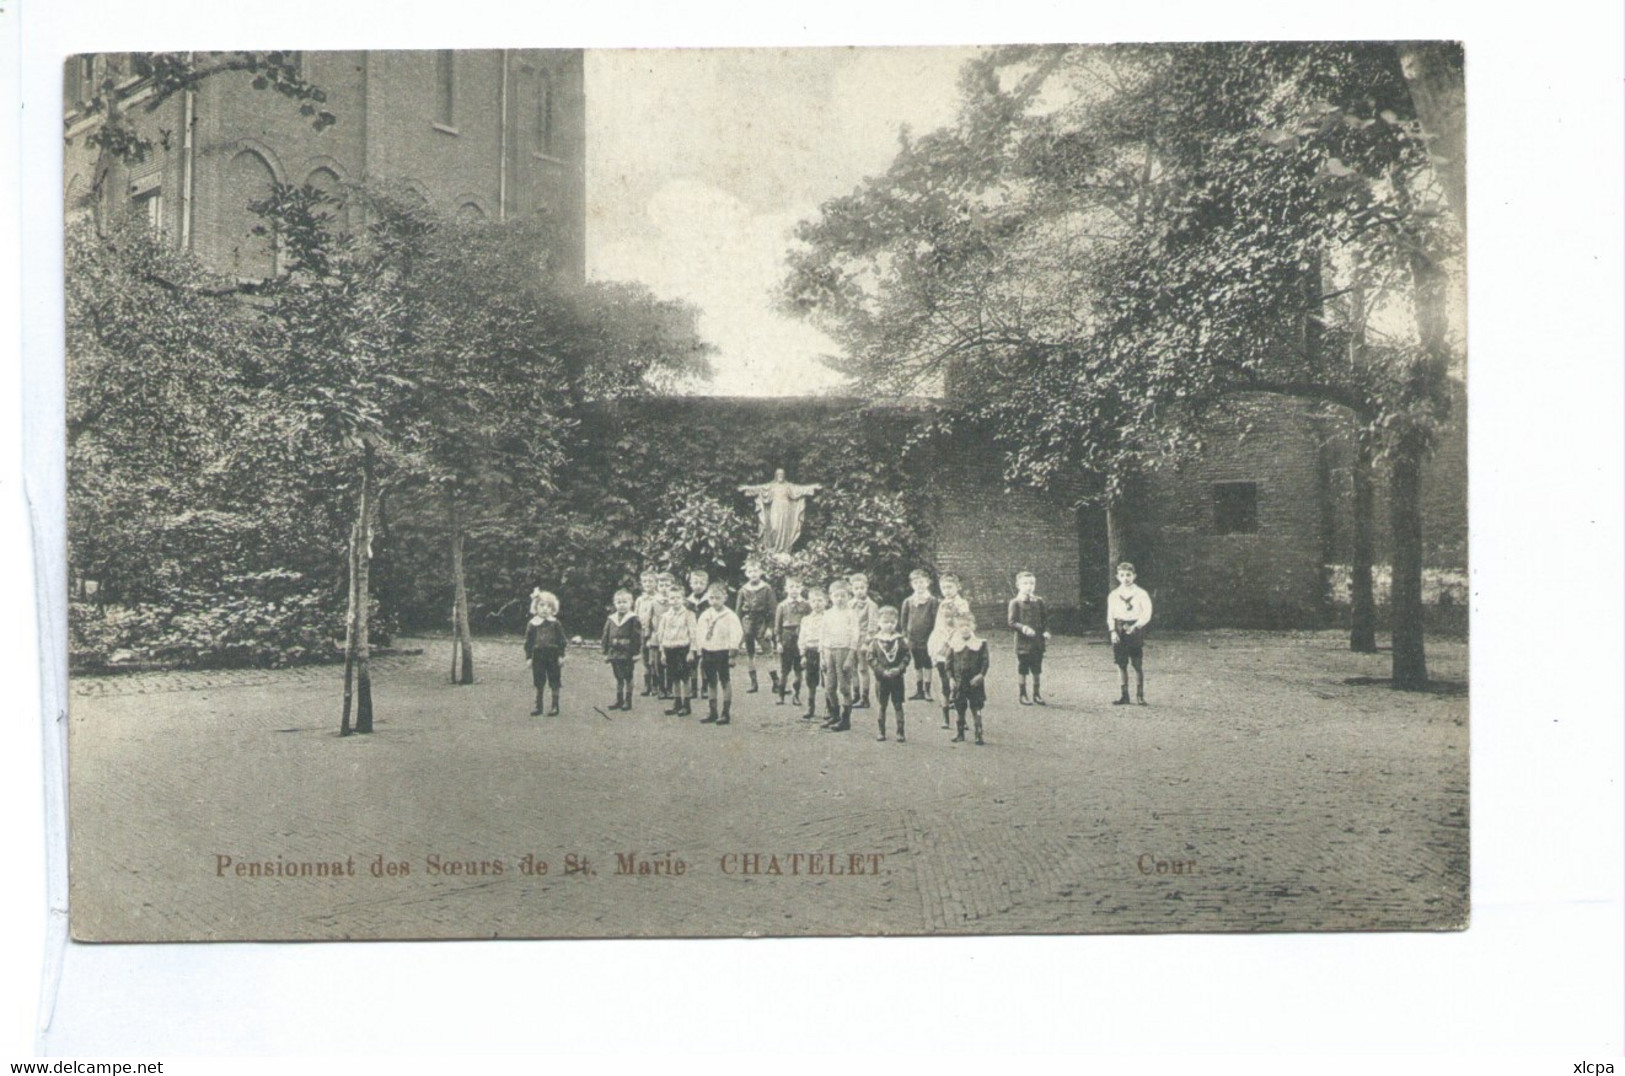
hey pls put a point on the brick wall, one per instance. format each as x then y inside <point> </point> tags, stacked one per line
<point>985,534</point>
<point>1272,577</point>
<point>1298,456</point>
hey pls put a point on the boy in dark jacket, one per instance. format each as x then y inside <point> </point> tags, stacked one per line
<point>967,671</point>
<point>888,658</point>
<point>755,604</point>
<point>623,639</point>
<point>544,649</point>
<point>1029,619</point>
<point>919,619</point>
<point>787,629</point>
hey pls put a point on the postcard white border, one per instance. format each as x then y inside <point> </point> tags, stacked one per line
<point>1538,972</point>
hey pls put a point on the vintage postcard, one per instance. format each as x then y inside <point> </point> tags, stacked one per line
<point>547,493</point>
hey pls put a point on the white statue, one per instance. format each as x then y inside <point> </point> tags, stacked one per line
<point>780,505</point>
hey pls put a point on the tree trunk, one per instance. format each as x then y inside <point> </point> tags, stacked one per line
<point>1410,669</point>
<point>1114,542</point>
<point>1412,440</point>
<point>1433,73</point>
<point>350,624</point>
<point>462,645</point>
<point>363,646</point>
<point>1363,606</point>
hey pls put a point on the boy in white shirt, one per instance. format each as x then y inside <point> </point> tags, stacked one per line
<point>719,633</point>
<point>1128,611</point>
<point>839,642</point>
<point>677,632</point>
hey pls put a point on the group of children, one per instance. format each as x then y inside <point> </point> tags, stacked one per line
<point>834,637</point>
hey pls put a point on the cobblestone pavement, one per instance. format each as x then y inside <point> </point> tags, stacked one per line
<point>1259,791</point>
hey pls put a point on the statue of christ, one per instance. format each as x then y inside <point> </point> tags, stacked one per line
<point>780,505</point>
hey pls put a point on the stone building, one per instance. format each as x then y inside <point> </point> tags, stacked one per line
<point>492,133</point>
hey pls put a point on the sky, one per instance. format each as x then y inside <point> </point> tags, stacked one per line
<point>700,162</point>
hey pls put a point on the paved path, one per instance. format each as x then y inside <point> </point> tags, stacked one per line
<point>1259,791</point>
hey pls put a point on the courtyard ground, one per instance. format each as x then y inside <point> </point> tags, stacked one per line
<point>1269,786</point>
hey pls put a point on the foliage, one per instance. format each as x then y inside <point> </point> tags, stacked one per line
<point>628,343</point>
<point>162,75</point>
<point>654,482</point>
<point>179,485</point>
<point>693,530</point>
<point>873,532</point>
<point>1111,239</point>
<point>265,619</point>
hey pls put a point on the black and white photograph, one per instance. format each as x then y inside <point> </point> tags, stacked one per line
<point>840,536</point>
<point>566,493</point>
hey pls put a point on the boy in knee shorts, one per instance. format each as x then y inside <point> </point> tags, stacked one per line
<point>677,634</point>
<point>720,634</point>
<point>867,611</point>
<point>812,630</point>
<point>544,649</point>
<point>756,604</point>
<point>1128,611</point>
<point>644,608</point>
<point>888,658</point>
<point>838,640</point>
<point>1029,619</point>
<point>952,606</point>
<point>967,670</point>
<point>919,619</point>
<point>699,581</point>
<point>623,639</point>
<point>787,621</point>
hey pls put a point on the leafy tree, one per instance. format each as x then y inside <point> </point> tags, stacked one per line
<point>489,357</point>
<point>622,341</point>
<point>334,324</point>
<point>183,495</point>
<point>484,417</point>
<point>1113,242</point>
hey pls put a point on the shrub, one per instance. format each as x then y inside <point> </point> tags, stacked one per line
<point>265,619</point>
<point>695,530</point>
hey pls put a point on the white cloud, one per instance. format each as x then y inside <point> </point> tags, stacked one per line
<point>701,162</point>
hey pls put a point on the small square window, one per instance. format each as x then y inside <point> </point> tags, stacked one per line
<point>1235,507</point>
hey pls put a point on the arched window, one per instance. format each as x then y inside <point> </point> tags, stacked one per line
<point>248,179</point>
<point>327,181</point>
<point>470,211</point>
